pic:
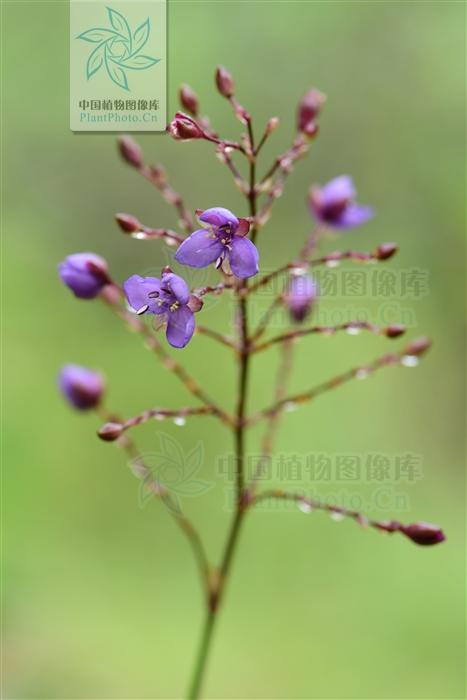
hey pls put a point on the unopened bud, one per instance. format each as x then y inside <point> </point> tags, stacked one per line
<point>184,128</point>
<point>86,274</point>
<point>195,303</point>
<point>418,347</point>
<point>225,82</point>
<point>272,124</point>
<point>130,151</point>
<point>158,175</point>
<point>424,533</point>
<point>110,431</point>
<point>128,223</point>
<point>310,130</point>
<point>81,387</point>
<point>386,251</point>
<point>309,108</point>
<point>189,100</point>
<point>395,331</point>
<point>300,296</point>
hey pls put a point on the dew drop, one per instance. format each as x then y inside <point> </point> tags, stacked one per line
<point>159,416</point>
<point>361,373</point>
<point>298,271</point>
<point>139,235</point>
<point>179,420</point>
<point>332,263</point>
<point>305,507</point>
<point>335,515</point>
<point>290,406</point>
<point>353,330</point>
<point>410,360</point>
<point>171,241</point>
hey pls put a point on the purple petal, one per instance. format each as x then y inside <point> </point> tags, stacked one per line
<point>341,188</point>
<point>301,294</point>
<point>81,386</point>
<point>84,273</point>
<point>180,327</point>
<point>243,257</point>
<point>354,215</point>
<point>137,289</point>
<point>177,286</point>
<point>218,216</point>
<point>199,250</point>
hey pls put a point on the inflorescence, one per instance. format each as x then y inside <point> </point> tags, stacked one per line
<point>228,242</point>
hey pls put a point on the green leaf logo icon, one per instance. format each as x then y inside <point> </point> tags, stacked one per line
<point>118,49</point>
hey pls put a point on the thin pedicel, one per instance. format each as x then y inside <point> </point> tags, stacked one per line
<point>227,242</point>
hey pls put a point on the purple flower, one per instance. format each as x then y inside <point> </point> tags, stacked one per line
<point>85,274</point>
<point>224,238</point>
<point>82,387</point>
<point>300,296</point>
<point>169,298</point>
<point>334,204</point>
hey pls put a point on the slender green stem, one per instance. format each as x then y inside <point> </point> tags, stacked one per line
<point>217,589</point>
<point>203,650</point>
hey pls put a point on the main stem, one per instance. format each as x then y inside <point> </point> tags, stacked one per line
<point>241,503</point>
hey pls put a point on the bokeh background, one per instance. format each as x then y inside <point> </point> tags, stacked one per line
<point>103,597</point>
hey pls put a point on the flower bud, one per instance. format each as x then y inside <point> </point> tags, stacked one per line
<point>310,130</point>
<point>130,151</point>
<point>158,175</point>
<point>85,274</point>
<point>110,431</point>
<point>424,533</point>
<point>189,100</point>
<point>300,296</point>
<point>184,128</point>
<point>128,223</point>
<point>386,251</point>
<point>395,331</point>
<point>225,82</point>
<point>418,347</point>
<point>272,124</point>
<point>309,108</point>
<point>195,304</point>
<point>81,387</point>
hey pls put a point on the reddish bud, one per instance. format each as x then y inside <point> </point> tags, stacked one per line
<point>184,128</point>
<point>310,130</point>
<point>158,175</point>
<point>395,331</point>
<point>128,223</point>
<point>272,124</point>
<point>243,227</point>
<point>424,533</point>
<point>418,346</point>
<point>110,431</point>
<point>189,100</point>
<point>130,151</point>
<point>225,82</point>
<point>195,304</point>
<point>309,108</point>
<point>386,251</point>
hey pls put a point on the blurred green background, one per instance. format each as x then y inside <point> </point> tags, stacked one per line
<point>103,597</point>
